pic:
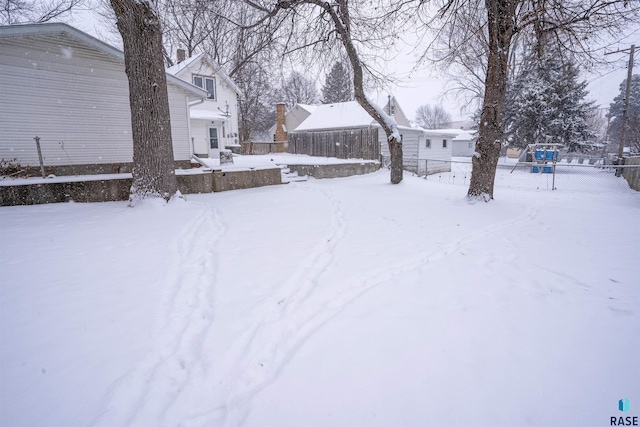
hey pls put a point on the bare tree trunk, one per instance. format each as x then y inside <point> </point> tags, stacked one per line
<point>501,25</point>
<point>342,24</point>
<point>395,149</point>
<point>153,170</point>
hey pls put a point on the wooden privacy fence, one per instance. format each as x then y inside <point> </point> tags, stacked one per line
<point>263,147</point>
<point>343,144</point>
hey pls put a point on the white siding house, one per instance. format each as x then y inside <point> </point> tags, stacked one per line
<point>71,91</point>
<point>214,122</point>
<point>415,150</point>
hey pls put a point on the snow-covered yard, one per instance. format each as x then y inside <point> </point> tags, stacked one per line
<point>344,302</point>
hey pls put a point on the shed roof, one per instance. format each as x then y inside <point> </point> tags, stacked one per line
<point>336,116</point>
<point>350,115</point>
<point>460,134</point>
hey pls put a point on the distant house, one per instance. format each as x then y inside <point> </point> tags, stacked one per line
<point>214,120</point>
<point>434,152</point>
<point>463,144</point>
<point>419,145</point>
<point>70,90</point>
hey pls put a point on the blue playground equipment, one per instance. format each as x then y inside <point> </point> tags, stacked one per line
<point>545,156</point>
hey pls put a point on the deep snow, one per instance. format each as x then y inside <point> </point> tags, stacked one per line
<point>330,302</point>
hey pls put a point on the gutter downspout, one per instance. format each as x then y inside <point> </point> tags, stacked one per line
<point>189,105</point>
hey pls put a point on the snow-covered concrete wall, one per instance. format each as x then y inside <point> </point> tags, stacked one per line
<point>336,170</point>
<point>116,188</point>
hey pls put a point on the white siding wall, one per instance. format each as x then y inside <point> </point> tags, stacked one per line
<point>435,158</point>
<point>200,138</point>
<point>76,99</point>
<point>179,111</point>
<point>463,148</point>
<point>437,151</point>
<point>70,96</point>
<point>411,139</point>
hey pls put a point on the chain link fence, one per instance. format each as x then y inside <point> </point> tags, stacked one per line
<point>591,177</point>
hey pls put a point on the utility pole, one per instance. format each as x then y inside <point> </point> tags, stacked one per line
<point>626,98</point>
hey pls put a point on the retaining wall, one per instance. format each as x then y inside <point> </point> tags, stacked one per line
<point>21,192</point>
<point>238,180</point>
<point>93,169</point>
<point>335,171</point>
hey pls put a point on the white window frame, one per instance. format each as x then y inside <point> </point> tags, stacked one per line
<point>203,85</point>
<point>444,143</point>
<point>427,143</point>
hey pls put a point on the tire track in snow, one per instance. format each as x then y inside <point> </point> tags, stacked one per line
<point>144,395</point>
<point>290,320</point>
<point>277,330</point>
<point>285,321</point>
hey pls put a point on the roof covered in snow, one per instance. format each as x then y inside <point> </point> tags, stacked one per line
<point>175,69</point>
<point>350,115</point>
<point>460,134</point>
<point>197,114</point>
<point>336,116</point>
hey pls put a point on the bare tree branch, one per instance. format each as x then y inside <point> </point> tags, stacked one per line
<point>35,11</point>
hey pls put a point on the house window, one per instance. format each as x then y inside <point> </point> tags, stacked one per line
<point>213,138</point>
<point>470,145</point>
<point>206,83</point>
<point>427,143</point>
<point>444,143</point>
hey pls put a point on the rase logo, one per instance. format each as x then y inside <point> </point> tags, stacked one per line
<point>623,406</point>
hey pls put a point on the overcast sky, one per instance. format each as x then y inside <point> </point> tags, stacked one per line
<point>421,87</point>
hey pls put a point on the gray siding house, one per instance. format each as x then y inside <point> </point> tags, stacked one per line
<point>71,91</point>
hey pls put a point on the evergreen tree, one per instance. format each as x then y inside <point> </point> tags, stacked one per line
<point>546,103</point>
<point>337,86</point>
<point>632,131</point>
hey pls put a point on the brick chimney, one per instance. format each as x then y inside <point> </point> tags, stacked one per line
<point>181,55</point>
<point>281,130</point>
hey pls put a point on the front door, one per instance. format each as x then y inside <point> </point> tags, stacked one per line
<point>214,142</point>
